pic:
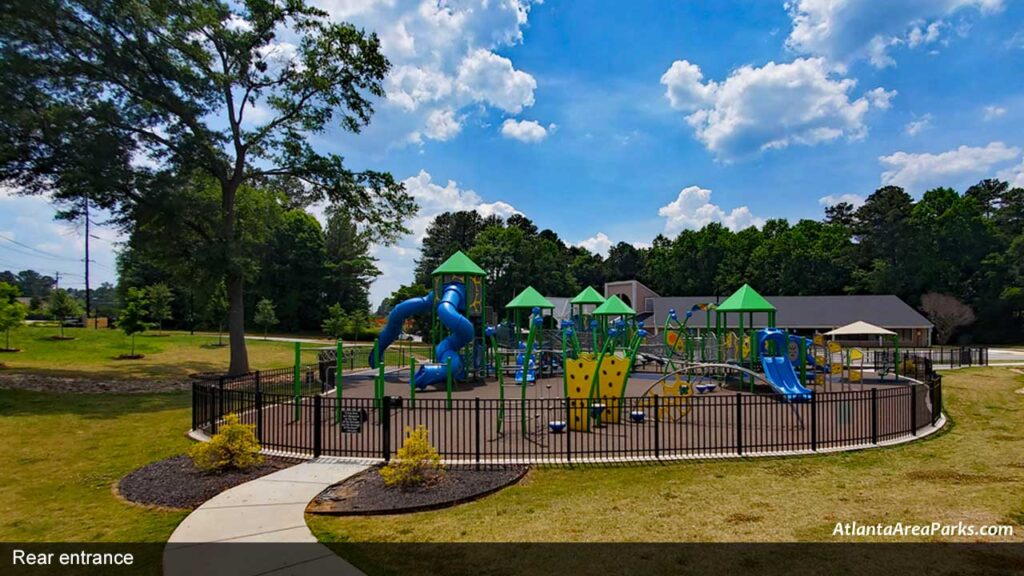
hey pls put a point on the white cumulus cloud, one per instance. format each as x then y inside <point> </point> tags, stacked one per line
<point>775,106</point>
<point>488,77</point>
<point>848,30</point>
<point>525,130</point>
<point>443,57</point>
<point>914,127</point>
<point>1013,175</point>
<point>693,209</point>
<point>916,171</point>
<point>832,199</point>
<point>442,125</point>
<point>992,112</point>
<point>599,243</point>
<point>397,262</point>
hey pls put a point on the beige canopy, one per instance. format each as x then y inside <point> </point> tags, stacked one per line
<point>860,328</point>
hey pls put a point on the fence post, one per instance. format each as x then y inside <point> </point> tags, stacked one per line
<point>814,421</point>
<point>476,416</point>
<point>317,425</point>
<point>257,380</point>
<point>448,383</point>
<point>195,405</point>
<point>220,398</point>
<point>385,423</point>
<point>874,415</point>
<point>657,429</point>
<point>259,416</point>
<point>339,357</point>
<point>568,430</point>
<point>739,424</point>
<point>913,409</point>
<point>412,382</point>
<point>297,377</point>
<point>213,409</point>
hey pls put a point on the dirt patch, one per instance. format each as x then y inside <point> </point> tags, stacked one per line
<point>62,338</point>
<point>177,483</point>
<point>130,357</point>
<point>9,350</point>
<point>741,518</point>
<point>61,384</point>
<point>366,494</point>
<point>955,477</point>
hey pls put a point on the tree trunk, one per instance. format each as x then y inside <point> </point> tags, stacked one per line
<point>235,281</point>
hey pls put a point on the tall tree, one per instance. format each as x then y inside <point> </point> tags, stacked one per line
<point>62,307</point>
<point>87,87</point>
<point>350,269</point>
<point>447,234</point>
<point>12,312</point>
<point>159,298</point>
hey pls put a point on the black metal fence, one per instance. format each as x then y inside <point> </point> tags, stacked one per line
<point>493,432</point>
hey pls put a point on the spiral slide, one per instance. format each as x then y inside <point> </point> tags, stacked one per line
<point>778,370</point>
<point>453,301</point>
<point>397,318</point>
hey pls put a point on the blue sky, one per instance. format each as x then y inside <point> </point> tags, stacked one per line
<point>611,121</point>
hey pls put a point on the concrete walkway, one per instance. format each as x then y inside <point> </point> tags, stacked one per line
<point>270,509</point>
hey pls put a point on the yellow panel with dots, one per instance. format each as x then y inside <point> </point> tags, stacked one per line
<point>611,380</point>
<point>579,373</point>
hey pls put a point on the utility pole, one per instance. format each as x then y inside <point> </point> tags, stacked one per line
<point>88,293</point>
<point>56,280</point>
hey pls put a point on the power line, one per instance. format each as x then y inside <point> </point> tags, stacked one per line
<point>32,248</point>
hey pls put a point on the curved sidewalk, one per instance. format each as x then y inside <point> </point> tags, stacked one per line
<point>270,509</point>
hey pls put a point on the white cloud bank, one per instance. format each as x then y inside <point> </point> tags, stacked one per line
<point>775,106</point>
<point>846,30</point>
<point>693,210</point>
<point>917,171</point>
<point>443,58</point>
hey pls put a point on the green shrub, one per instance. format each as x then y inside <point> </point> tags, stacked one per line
<point>416,463</point>
<point>233,447</point>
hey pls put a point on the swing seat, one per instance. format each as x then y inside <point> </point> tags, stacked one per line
<point>556,426</point>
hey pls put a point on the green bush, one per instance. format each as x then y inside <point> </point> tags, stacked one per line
<point>416,463</point>
<point>233,447</point>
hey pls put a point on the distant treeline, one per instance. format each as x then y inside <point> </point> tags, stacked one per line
<point>969,246</point>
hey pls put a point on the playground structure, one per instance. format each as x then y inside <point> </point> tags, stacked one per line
<point>596,385</point>
<point>596,353</point>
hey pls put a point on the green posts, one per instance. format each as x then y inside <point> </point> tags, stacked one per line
<point>534,323</point>
<point>565,377</point>
<point>448,383</point>
<point>338,355</point>
<point>501,383</point>
<point>377,381</point>
<point>298,380</point>
<point>739,354</point>
<point>412,381</point>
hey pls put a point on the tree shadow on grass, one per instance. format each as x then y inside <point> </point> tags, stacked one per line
<point>29,403</point>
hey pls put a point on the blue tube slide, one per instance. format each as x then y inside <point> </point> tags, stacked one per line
<point>778,370</point>
<point>453,302</point>
<point>396,319</point>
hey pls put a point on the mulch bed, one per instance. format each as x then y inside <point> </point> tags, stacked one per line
<point>61,384</point>
<point>177,483</point>
<point>365,493</point>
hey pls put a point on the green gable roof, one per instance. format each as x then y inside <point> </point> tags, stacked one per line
<point>459,263</point>
<point>588,296</point>
<point>746,299</point>
<point>529,299</point>
<point>614,307</point>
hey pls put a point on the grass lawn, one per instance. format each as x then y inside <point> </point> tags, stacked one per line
<point>62,453</point>
<point>93,353</point>
<point>972,472</point>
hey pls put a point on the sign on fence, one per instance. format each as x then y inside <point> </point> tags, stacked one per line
<point>352,421</point>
